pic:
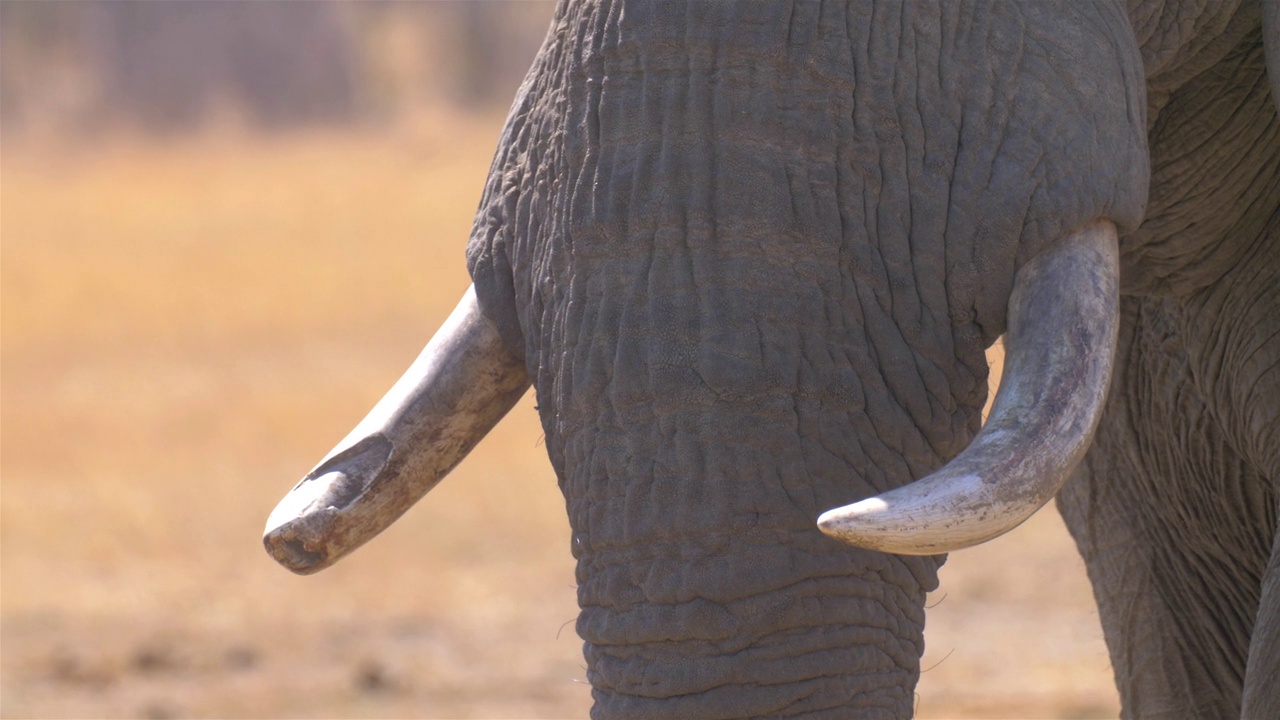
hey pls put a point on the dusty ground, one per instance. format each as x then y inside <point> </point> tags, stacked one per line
<point>188,328</point>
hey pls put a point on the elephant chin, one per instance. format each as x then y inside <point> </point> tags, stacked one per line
<point>1059,351</point>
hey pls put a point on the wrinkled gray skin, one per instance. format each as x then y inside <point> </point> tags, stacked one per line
<point>752,256</point>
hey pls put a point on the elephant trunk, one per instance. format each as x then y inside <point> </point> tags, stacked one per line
<point>706,591</point>
<point>697,432</point>
<point>757,623</point>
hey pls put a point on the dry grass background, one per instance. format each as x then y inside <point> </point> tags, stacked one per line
<point>188,327</point>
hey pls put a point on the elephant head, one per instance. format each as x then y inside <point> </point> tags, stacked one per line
<point>750,255</point>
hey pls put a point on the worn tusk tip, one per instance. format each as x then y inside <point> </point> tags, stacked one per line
<point>848,523</point>
<point>300,544</point>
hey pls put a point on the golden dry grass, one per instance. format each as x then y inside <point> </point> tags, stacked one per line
<point>187,328</point>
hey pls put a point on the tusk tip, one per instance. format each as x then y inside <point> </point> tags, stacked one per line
<point>849,522</point>
<point>299,544</point>
<point>879,525</point>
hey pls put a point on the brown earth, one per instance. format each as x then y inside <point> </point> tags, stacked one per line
<point>187,328</point>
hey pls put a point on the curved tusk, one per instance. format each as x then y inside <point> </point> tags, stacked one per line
<point>460,386</point>
<point>1060,348</point>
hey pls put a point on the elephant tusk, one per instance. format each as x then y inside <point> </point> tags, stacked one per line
<point>1060,349</point>
<point>464,382</point>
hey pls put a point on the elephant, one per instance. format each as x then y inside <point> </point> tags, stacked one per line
<point>750,254</point>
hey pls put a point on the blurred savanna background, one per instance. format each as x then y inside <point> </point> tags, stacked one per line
<point>225,229</point>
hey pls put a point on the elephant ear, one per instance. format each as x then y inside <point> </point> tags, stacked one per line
<point>1271,40</point>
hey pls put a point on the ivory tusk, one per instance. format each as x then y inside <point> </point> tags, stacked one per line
<point>1060,348</point>
<point>464,382</point>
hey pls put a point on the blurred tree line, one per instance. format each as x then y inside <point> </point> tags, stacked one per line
<point>171,67</point>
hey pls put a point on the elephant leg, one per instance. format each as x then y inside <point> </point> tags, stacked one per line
<point>1232,332</point>
<point>1175,528</point>
<point>1262,680</point>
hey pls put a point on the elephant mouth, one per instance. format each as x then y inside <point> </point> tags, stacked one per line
<point>1060,349</point>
